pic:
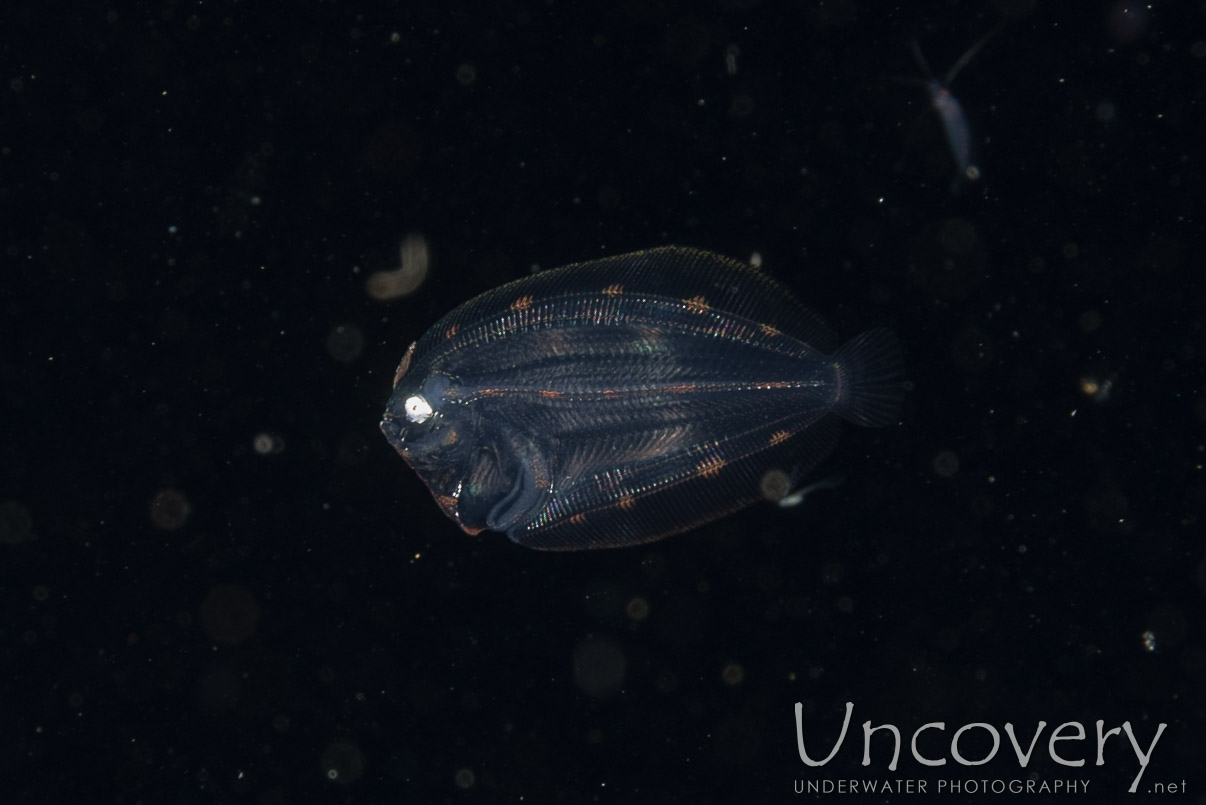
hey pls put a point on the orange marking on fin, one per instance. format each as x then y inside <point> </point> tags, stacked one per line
<point>522,303</point>
<point>451,331</point>
<point>696,304</point>
<point>768,329</point>
<point>710,467</point>
<point>780,436</point>
<point>613,290</point>
<point>550,394</point>
<point>626,502</point>
<point>404,366</point>
<point>577,519</point>
<point>681,388</point>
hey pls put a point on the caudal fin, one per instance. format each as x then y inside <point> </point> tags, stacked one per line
<point>871,382</point>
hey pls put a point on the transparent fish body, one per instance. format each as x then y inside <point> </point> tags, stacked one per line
<point>626,399</point>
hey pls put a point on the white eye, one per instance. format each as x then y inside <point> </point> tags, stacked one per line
<point>418,409</point>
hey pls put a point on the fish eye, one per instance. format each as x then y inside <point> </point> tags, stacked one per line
<point>418,410</point>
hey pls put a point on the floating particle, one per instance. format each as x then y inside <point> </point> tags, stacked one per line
<point>343,762</point>
<point>345,343</point>
<point>946,464</point>
<point>413,263</point>
<point>268,443</point>
<point>170,509</point>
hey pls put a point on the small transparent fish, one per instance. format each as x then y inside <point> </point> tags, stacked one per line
<point>623,400</point>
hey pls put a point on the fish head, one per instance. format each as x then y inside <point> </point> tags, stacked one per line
<point>423,420</point>
<point>438,429</point>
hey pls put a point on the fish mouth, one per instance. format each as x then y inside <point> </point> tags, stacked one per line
<point>393,430</point>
